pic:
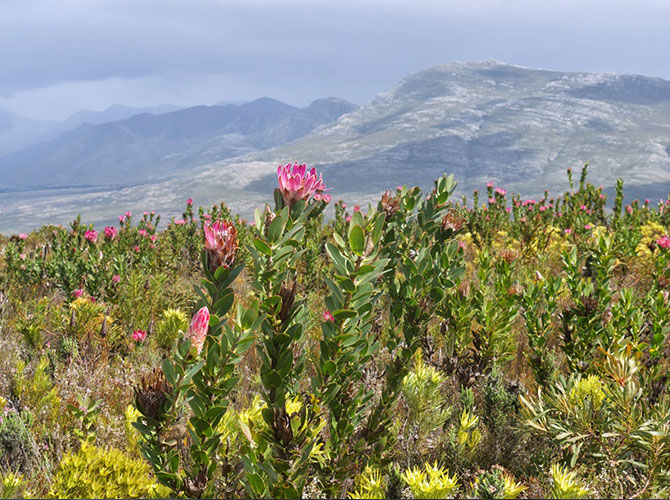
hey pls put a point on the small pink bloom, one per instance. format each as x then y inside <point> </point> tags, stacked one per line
<point>327,198</point>
<point>629,209</point>
<point>129,214</point>
<point>110,232</point>
<point>461,245</point>
<point>23,236</point>
<point>139,335</point>
<point>582,207</point>
<point>568,231</point>
<point>348,218</point>
<point>501,191</point>
<point>398,188</point>
<point>122,218</point>
<point>543,208</point>
<point>207,217</point>
<point>646,202</point>
<point>197,331</point>
<point>22,256</point>
<point>153,213</point>
<point>327,316</point>
<point>116,278</point>
<point>78,293</point>
<point>136,248</point>
<point>91,235</point>
<point>344,205</point>
<point>154,237</point>
<point>180,222</point>
<point>143,232</point>
<point>588,227</point>
<point>663,242</point>
<point>151,245</point>
<point>357,208</point>
<point>508,209</point>
<point>189,202</point>
<point>492,200</point>
<point>317,197</point>
<point>145,214</point>
<point>489,185</point>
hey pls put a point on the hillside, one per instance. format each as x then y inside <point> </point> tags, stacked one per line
<point>482,121</point>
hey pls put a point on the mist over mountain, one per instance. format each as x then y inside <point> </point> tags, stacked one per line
<point>483,121</point>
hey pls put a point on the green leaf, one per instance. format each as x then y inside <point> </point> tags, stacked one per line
<point>262,247</point>
<point>357,239</point>
<point>344,314</point>
<point>276,228</point>
<point>256,483</point>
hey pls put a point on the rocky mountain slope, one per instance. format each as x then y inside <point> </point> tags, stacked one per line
<point>483,121</point>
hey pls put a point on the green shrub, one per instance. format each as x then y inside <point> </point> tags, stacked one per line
<point>94,472</point>
<point>15,441</point>
<point>167,329</point>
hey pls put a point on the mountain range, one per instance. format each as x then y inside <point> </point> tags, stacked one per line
<point>483,121</point>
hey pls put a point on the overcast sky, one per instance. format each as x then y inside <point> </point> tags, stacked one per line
<point>60,56</point>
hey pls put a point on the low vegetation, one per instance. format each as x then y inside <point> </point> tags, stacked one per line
<point>425,347</point>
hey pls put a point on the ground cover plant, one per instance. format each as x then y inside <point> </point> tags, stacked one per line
<point>422,347</point>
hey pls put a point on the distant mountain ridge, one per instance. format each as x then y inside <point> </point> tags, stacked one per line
<point>147,147</point>
<point>483,121</point>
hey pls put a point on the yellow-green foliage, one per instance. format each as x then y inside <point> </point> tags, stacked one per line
<point>168,328</point>
<point>38,392</point>
<point>104,473</point>
<point>11,485</point>
<point>468,435</point>
<point>132,414</point>
<point>567,484</point>
<point>370,484</point>
<point>435,482</point>
<point>421,389</point>
<point>588,388</point>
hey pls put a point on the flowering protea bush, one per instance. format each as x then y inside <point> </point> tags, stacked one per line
<point>422,346</point>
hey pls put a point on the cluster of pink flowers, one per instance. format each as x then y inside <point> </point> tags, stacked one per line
<point>296,183</point>
<point>139,335</point>
<point>327,316</point>
<point>110,232</point>
<point>180,222</point>
<point>220,243</point>
<point>78,293</point>
<point>663,242</point>
<point>91,235</point>
<point>116,278</point>
<point>197,331</point>
<point>501,191</point>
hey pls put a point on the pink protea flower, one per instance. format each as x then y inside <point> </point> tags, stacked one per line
<point>78,293</point>
<point>116,278</point>
<point>663,242</point>
<point>143,232</point>
<point>296,183</point>
<point>568,231</point>
<point>327,316</point>
<point>129,214</point>
<point>180,222</point>
<point>344,205</point>
<point>139,336</point>
<point>91,235</point>
<point>22,256</point>
<point>189,202</point>
<point>629,209</point>
<point>489,185</point>
<point>197,331</point>
<point>153,238</point>
<point>23,236</point>
<point>588,227</point>
<point>145,214</point>
<point>122,218</point>
<point>136,248</point>
<point>220,243</point>
<point>501,191</point>
<point>492,200</point>
<point>110,232</point>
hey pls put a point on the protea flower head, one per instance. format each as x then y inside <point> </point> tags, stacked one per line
<point>197,331</point>
<point>296,183</point>
<point>220,243</point>
<point>151,393</point>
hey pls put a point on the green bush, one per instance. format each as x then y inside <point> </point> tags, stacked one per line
<point>94,472</point>
<point>168,328</point>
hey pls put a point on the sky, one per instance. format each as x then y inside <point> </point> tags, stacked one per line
<point>61,56</point>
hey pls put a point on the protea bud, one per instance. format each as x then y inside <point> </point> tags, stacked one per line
<point>221,244</point>
<point>452,220</point>
<point>151,393</point>
<point>197,331</point>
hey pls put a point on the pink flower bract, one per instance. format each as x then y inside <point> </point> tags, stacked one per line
<point>139,335</point>
<point>328,316</point>
<point>91,235</point>
<point>197,331</point>
<point>296,183</point>
<point>220,243</point>
<point>663,242</point>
